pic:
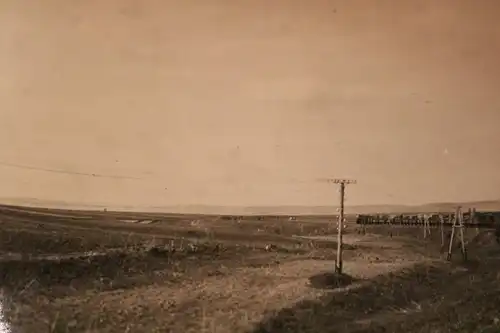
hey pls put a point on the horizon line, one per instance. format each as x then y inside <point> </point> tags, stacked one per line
<point>55,204</point>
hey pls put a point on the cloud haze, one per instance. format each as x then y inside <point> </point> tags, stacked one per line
<point>249,102</point>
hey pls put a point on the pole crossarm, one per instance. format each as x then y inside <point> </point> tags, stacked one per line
<point>342,181</point>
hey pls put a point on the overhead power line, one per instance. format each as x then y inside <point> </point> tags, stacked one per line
<point>59,171</point>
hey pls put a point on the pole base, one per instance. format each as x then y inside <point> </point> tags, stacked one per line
<point>338,269</point>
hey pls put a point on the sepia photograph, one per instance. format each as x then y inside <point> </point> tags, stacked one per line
<point>249,166</point>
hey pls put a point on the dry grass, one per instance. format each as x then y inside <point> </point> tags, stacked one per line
<point>98,275</point>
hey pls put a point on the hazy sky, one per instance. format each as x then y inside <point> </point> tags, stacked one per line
<point>249,102</point>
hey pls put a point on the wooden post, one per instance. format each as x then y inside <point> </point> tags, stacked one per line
<point>390,226</point>
<point>452,238</point>
<point>473,219</point>
<point>427,226</point>
<point>450,220</point>
<point>429,220</point>
<point>342,182</point>
<point>458,223</point>
<point>338,264</point>
<point>441,220</point>
<point>422,220</point>
<point>462,240</point>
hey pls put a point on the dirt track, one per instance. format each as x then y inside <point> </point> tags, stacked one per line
<point>64,273</point>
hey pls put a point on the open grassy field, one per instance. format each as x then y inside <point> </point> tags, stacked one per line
<point>78,271</point>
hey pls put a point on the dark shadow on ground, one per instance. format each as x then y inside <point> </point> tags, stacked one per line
<point>441,297</point>
<point>69,271</point>
<point>130,268</point>
<point>85,270</point>
<point>330,280</point>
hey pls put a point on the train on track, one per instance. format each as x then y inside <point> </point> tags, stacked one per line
<point>470,219</point>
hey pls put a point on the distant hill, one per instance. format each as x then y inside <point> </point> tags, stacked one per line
<point>327,210</point>
<point>491,205</point>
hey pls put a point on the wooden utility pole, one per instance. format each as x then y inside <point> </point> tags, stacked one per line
<point>441,221</point>
<point>458,222</point>
<point>342,182</point>
<point>427,225</point>
<point>473,219</point>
